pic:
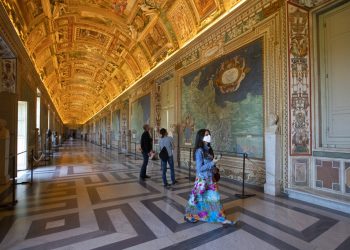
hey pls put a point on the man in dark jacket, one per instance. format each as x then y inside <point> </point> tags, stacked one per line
<point>146,148</point>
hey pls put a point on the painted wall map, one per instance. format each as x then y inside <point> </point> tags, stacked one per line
<point>116,124</point>
<point>226,96</point>
<point>140,115</point>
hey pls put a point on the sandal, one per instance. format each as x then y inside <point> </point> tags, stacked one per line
<point>229,222</point>
<point>190,220</point>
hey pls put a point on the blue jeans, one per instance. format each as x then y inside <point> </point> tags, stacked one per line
<point>164,169</point>
<point>144,165</point>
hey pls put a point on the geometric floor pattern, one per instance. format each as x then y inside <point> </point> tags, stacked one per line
<point>91,198</point>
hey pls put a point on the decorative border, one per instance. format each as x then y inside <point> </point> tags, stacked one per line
<point>299,80</point>
<point>297,165</point>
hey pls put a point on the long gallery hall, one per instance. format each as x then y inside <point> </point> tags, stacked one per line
<point>187,124</point>
<point>92,198</point>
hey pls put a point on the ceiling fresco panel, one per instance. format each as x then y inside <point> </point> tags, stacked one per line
<point>182,21</point>
<point>133,65</point>
<point>141,59</point>
<point>128,73</point>
<point>36,35</point>
<point>104,45</point>
<point>91,36</point>
<point>205,7</point>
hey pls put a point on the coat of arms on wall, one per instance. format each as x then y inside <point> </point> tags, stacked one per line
<point>230,74</point>
<point>8,75</point>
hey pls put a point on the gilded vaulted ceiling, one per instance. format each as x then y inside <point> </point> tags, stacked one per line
<point>88,52</point>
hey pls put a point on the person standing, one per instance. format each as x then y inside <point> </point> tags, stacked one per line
<point>204,202</point>
<point>167,142</point>
<point>146,148</point>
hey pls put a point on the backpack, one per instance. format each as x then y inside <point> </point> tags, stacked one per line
<point>163,154</point>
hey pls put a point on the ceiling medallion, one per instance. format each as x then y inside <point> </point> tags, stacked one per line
<point>230,74</point>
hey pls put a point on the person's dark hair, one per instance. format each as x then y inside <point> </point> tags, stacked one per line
<point>211,151</point>
<point>162,132</point>
<point>199,141</point>
<point>145,127</point>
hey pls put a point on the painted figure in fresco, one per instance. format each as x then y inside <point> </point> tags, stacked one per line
<point>8,77</point>
<point>167,142</point>
<point>59,9</point>
<point>133,32</point>
<point>148,9</point>
<point>188,128</point>
<point>146,149</point>
<point>119,6</point>
<point>204,202</point>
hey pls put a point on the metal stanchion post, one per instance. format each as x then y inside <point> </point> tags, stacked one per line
<point>243,195</point>
<point>135,150</point>
<point>31,167</point>
<point>189,166</point>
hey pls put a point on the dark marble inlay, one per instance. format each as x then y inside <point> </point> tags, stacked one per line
<point>173,225</point>
<point>53,194</point>
<point>68,204</point>
<point>345,245</point>
<point>5,225</point>
<point>103,179</point>
<point>60,185</point>
<point>308,234</point>
<point>202,239</point>
<point>267,237</point>
<point>95,197</point>
<point>37,228</point>
<point>144,234</point>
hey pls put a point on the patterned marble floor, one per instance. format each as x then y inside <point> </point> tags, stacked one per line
<point>91,198</point>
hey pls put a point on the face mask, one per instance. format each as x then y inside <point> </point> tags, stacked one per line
<point>207,138</point>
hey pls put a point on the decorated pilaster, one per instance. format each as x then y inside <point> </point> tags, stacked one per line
<point>300,144</point>
<point>299,81</point>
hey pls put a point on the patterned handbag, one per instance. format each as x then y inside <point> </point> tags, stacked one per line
<point>216,174</point>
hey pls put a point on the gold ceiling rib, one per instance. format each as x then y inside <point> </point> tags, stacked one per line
<point>88,52</point>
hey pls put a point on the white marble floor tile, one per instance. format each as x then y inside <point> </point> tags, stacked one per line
<point>120,190</point>
<point>239,240</point>
<point>285,216</point>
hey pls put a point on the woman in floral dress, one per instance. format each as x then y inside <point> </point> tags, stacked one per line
<point>204,202</point>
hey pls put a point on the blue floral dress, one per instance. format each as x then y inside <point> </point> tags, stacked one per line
<point>204,202</point>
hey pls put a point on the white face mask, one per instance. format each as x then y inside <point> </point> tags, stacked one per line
<point>207,138</point>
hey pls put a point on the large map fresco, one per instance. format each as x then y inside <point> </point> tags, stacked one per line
<point>116,124</point>
<point>140,115</point>
<point>226,96</point>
